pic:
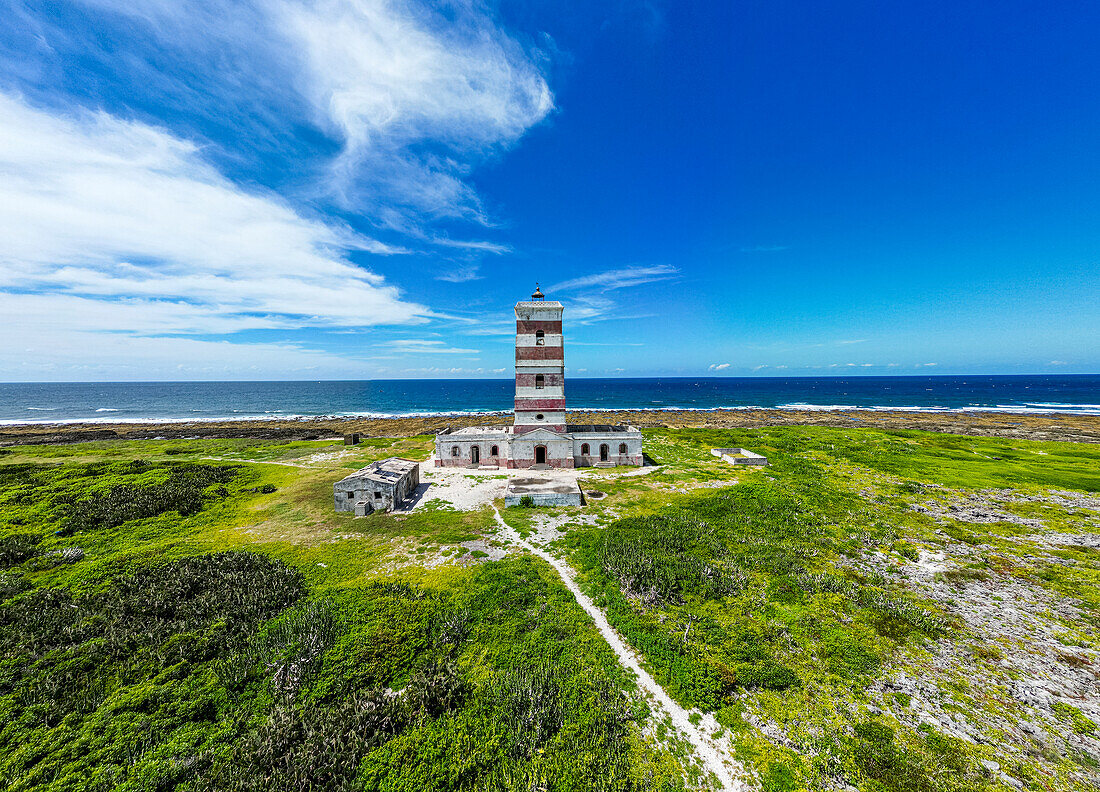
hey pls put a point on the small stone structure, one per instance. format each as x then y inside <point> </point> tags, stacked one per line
<point>380,486</point>
<point>351,439</point>
<point>739,456</point>
<point>543,492</point>
<point>539,436</point>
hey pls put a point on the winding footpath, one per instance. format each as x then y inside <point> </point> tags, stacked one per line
<point>707,748</point>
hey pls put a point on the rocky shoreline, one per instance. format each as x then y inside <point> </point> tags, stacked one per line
<point>1064,427</point>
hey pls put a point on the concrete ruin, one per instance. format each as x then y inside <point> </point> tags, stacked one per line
<point>739,456</point>
<point>542,492</point>
<point>379,487</point>
<point>539,436</point>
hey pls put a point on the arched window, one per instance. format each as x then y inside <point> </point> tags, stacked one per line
<point>494,451</point>
<point>454,451</point>
<point>540,338</point>
<point>585,450</point>
<point>540,382</point>
<point>622,448</point>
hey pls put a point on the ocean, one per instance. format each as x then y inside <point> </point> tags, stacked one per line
<point>115,402</point>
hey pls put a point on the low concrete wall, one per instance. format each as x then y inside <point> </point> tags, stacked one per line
<point>739,456</point>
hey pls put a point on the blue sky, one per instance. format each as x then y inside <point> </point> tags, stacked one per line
<point>296,189</point>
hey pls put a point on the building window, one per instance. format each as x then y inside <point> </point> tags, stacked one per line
<point>378,496</point>
<point>622,448</point>
<point>540,381</point>
<point>351,495</point>
<point>454,451</point>
<point>585,450</point>
<point>494,451</point>
<point>538,417</point>
<point>540,338</point>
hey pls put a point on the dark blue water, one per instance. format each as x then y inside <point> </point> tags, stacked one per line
<point>208,401</point>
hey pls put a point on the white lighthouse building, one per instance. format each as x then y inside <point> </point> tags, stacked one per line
<point>539,436</point>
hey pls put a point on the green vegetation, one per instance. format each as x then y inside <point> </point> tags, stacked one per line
<point>170,622</point>
<point>755,596</point>
<point>192,615</point>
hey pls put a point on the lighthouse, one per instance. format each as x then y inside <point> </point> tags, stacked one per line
<point>540,365</point>
<point>539,438</point>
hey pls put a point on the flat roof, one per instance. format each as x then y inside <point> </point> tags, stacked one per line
<point>386,470</point>
<point>478,430</point>
<point>584,428</point>
<point>540,304</point>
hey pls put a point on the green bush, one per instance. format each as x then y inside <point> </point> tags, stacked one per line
<point>182,492</point>
<point>17,548</point>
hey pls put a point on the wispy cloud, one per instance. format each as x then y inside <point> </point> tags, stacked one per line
<point>460,274</point>
<point>389,77</point>
<point>763,248</point>
<point>421,346</point>
<point>619,278</point>
<point>718,366</point>
<point>127,228</point>
<point>411,95</point>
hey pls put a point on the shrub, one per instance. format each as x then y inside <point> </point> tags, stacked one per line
<point>436,689</point>
<point>266,489</point>
<point>17,548</point>
<point>182,492</point>
<point>310,748</point>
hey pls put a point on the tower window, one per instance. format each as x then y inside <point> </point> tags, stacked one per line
<point>540,382</point>
<point>540,338</point>
<point>494,451</point>
<point>538,417</point>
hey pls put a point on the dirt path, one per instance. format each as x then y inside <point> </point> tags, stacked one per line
<point>707,748</point>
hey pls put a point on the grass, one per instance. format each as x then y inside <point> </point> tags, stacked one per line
<point>214,635</point>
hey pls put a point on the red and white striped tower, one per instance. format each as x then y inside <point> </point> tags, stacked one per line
<point>540,365</point>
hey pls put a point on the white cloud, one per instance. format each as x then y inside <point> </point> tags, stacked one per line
<point>619,278</point>
<point>718,366</point>
<point>460,274</point>
<point>416,93</point>
<point>389,76</point>
<point>119,226</point>
<point>63,354</point>
<point>428,347</point>
<point>1059,363</point>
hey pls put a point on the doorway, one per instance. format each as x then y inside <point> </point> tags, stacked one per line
<point>540,455</point>
<point>475,455</point>
<point>603,452</point>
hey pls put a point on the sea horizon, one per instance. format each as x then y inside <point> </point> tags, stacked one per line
<point>252,400</point>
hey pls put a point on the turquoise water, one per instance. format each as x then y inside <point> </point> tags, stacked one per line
<point>209,401</point>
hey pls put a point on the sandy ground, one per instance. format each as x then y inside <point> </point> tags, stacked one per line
<point>470,489</point>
